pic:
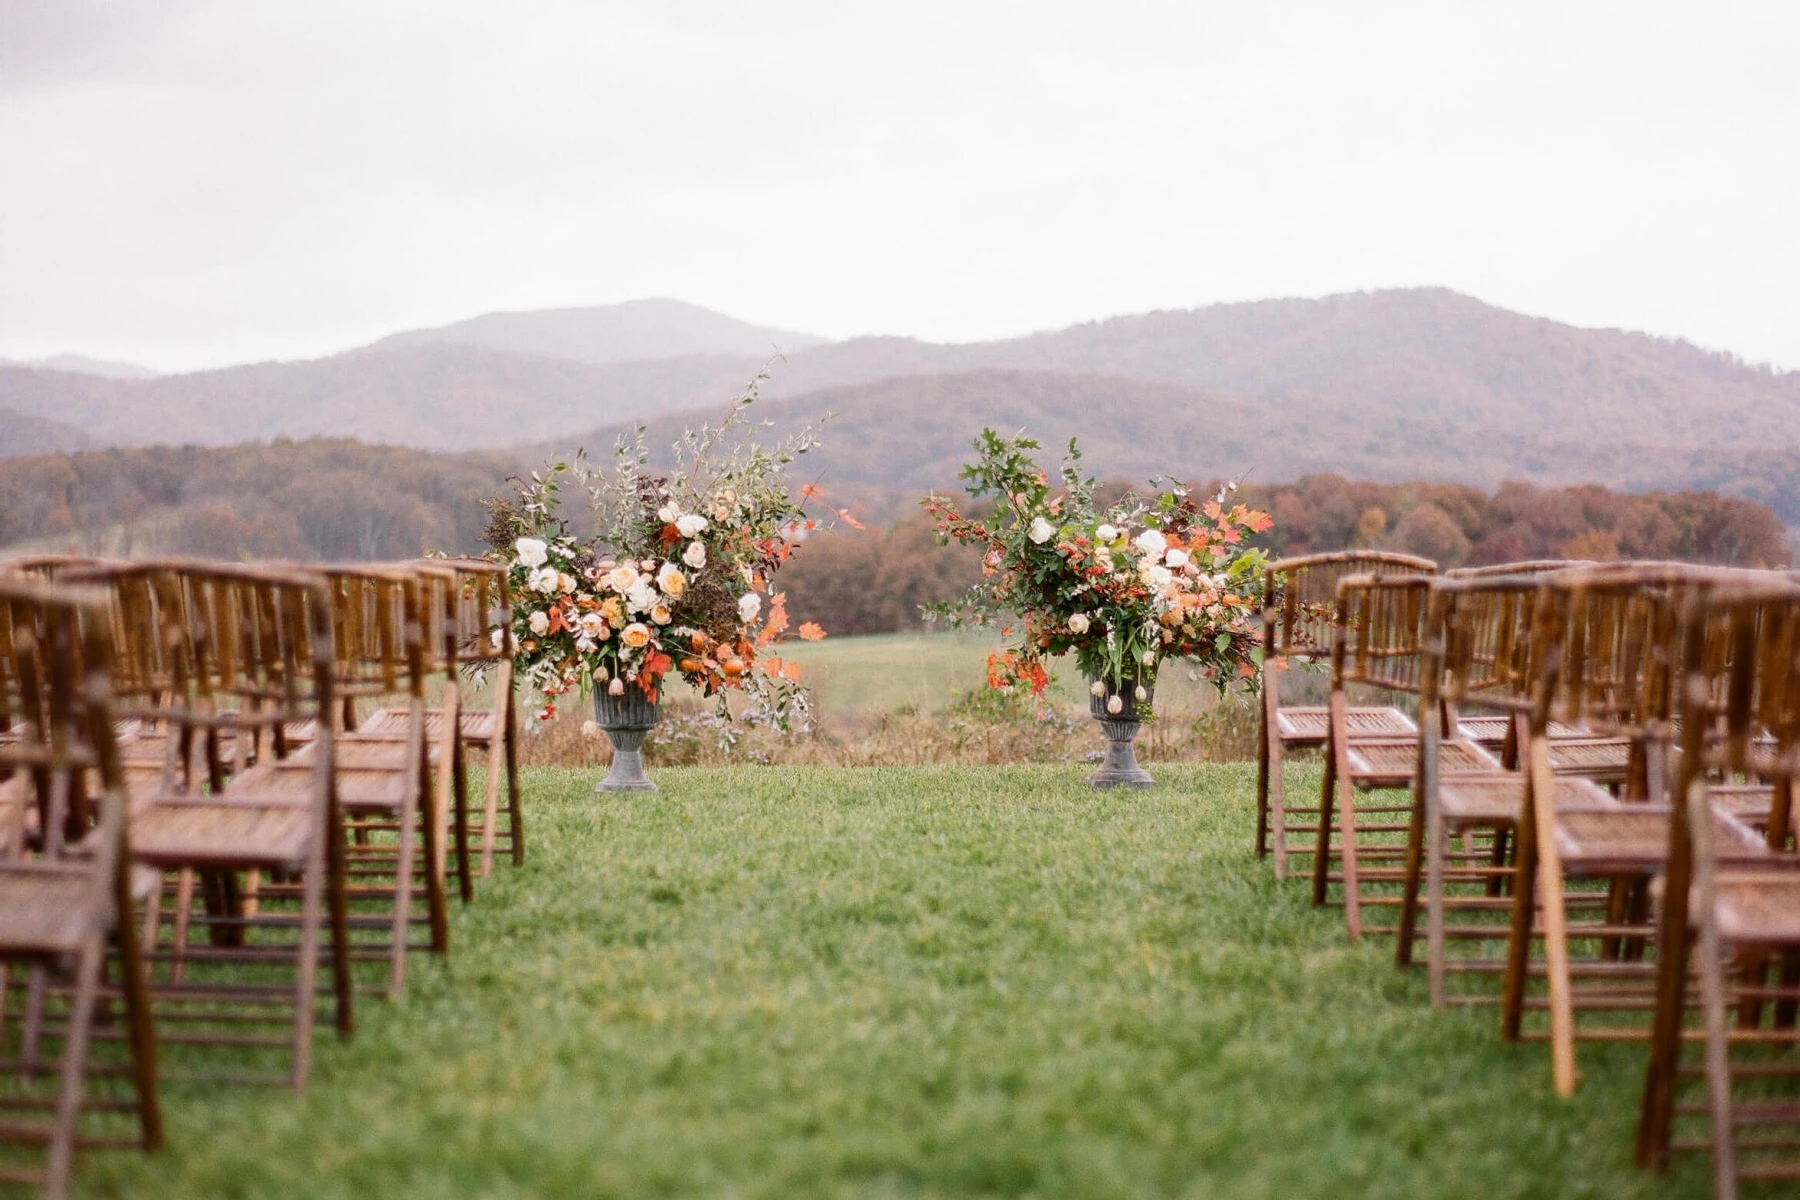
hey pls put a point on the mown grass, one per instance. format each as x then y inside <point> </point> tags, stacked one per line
<point>818,982</point>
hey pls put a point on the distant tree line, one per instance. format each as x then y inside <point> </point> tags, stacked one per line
<point>321,498</point>
<point>873,581</point>
<point>340,499</point>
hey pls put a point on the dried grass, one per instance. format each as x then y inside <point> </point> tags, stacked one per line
<point>981,728</point>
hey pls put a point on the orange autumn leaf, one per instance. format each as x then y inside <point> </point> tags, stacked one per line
<point>810,490</point>
<point>791,672</point>
<point>811,631</point>
<point>844,515</point>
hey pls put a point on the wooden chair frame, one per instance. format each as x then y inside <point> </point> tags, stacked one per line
<point>1299,598</point>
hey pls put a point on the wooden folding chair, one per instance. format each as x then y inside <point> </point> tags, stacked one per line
<point>469,618</point>
<point>1729,938</point>
<point>1478,653</point>
<point>65,881</point>
<point>1299,600</point>
<point>1377,644</point>
<point>384,775</point>
<point>1608,645</point>
<point>246,650</point>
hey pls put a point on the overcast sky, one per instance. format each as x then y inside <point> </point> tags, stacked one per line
<point>186,183</point>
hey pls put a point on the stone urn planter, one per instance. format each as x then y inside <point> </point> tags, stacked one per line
<point>1121,766</point>
<point>627,720</point>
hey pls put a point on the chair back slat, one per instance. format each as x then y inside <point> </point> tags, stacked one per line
<point>1379,636</point>
<point>1300,596</point>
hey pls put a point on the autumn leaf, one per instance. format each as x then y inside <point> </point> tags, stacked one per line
<point>844,515</point>
<point>811,631</point>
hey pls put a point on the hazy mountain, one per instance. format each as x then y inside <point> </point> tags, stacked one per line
<point>80,364</point>
<point>21,433</point>
<point>612,333</point>
<point>895,437</point>
<point>1384,385</point>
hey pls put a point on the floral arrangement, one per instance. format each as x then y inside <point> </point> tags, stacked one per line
<point>674,574</point>
<point>1123,589</point>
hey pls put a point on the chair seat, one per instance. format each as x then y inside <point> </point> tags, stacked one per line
<point>1604,760</point>
<point>1627,839</point>
<point>371,775</point>
<point>479,725</point>
<point>1747,802</point>
<point>1494,799</point>
<point>43,912</point>
<point>1758,906</point>
<point>1487,730</point>
<point>1392,762</point>
<point>230,831</point>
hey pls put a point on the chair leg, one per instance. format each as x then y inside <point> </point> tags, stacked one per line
<point>1321,865</point>
<point>74,1066</point>
<point>184,915</point>
<point>403,886</point>
<point>1542,797</point>
<point>141,1028</point>
<point>1710,960</point>
<point>339,900</point>
<point>490,809</point>
<point>1262,770</point>
<point>1424,823</point>
<point>306,976</point>
<point>517,824</point>
<point>436,905</point>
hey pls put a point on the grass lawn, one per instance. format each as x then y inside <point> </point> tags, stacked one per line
<point>933,982</point>
<point>928,672</point>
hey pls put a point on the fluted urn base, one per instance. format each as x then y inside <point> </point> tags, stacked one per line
<point>627,720</point>
<point>1121,769</point>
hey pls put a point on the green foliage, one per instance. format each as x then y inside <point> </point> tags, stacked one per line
<point>810,984</point>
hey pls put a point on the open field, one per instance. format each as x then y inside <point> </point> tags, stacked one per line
<point>929,672</point>
<point>815,982</point>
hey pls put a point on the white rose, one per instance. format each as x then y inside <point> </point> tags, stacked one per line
<point>642,597</point>
<point>1152,543</point>
<point>539,623</point>
<point>1107,533</point>
<point>1078,623</point>
<point>668,514</point>
<point>695,555</point>
<point>1041,530</point>
<point>622,579</point>
<point>691,525</point>
<point>671,580</point>
<point>497,638</point>
<point>565,583</point>
<point>748,606</point>
<point>661,614</point>
<point>1160,576</point>
<point>1176,559</point>
<point>544,580</point>
<point>592,624</point>
<point>531,552</point>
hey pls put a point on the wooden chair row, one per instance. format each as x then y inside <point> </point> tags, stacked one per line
<point>285,792</point>
<point>1628,844</point>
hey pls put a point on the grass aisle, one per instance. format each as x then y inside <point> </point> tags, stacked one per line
<point>931,982</point>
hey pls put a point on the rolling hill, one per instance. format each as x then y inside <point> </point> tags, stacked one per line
<point>1383,385</point>
<point>612,333</point>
